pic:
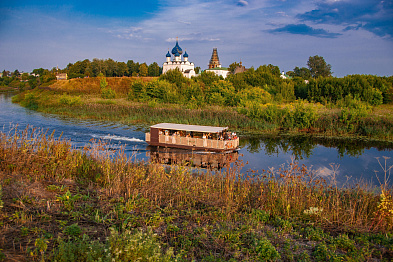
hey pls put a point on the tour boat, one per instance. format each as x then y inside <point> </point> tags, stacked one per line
<point>206,138</point>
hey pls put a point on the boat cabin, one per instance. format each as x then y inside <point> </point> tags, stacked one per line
<point>196,137</point>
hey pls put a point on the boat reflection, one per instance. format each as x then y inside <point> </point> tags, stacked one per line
<point>192,158</point>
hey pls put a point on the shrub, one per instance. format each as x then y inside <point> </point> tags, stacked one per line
<point>144,246</point>
<point>137,91</point>
<point>30,101</point>
<point>304,115</point>
<point>266,251</point>
<point>70,100</point>
<point>81,249</point>
<point>108,93</point>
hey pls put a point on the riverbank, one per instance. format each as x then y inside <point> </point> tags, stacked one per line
<point>81,98</point>
<point>59,203</point>
<point>6,89</point>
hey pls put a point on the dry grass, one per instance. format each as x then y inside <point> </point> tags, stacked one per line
<point>44,181</point>
<point>92,85</point>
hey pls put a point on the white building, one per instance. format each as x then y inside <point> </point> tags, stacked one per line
<point>185,66</point>
<point>220,71</point>
<point>215,65</point>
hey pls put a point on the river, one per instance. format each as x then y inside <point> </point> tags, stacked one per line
<point>349,161</point>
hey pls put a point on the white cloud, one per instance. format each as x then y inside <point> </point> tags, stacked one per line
<point>243,2</point>
<point>240,32</point>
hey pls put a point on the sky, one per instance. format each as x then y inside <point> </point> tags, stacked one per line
<point>353,36</point>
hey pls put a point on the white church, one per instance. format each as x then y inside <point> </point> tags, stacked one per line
<point>185,66</point>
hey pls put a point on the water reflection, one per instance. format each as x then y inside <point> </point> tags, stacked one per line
<point>302,147</point>
<point>208,160</point>
<point>354,158</point>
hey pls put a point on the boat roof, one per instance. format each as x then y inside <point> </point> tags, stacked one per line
<point>194,128</point>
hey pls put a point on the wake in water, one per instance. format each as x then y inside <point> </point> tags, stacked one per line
<point>119,138</point>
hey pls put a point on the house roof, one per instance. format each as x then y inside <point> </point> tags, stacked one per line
<point>194,128</point>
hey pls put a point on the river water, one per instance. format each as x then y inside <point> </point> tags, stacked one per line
<point>343,159</point>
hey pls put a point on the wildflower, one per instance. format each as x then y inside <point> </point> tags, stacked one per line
<point>386,205</point>
<point>313,211</point>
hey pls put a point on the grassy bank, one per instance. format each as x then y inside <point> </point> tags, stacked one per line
<point>60,204</point>
<point>85,99</point>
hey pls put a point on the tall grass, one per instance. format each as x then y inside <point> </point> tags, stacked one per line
<point>290,192</point>
<point>259,119</point>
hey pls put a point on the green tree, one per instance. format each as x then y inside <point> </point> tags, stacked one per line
<point>143,70</point>
<point>16,73</point>
<point>121,69</point>
<point>302,72</point>
<point>233,66</point>
<point>197,69</point>
<point>98,66</point>
<point>111,67</point>
<point>133,68</point>
<point>154,69</point>
<point>319,67</point>
<point>39,71</point>
<point>174,76</point>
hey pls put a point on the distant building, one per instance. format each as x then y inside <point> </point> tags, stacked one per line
<point>61,76</point>
<point>185,66</point>
<point>285,76</point>
<point>215,65</point>
<point>1,74</point>
<point>240,69</point>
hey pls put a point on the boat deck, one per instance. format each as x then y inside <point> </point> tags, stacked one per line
<point>194,143</point>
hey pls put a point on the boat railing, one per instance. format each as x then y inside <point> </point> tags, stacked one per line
<point>196,142</point>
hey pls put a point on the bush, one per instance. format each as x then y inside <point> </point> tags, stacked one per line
<point>70,100</point>
<point>30,101</point>
<point>142,246</point>
<point>266,251</point>
<point>108,93</point>
<point>137,91</point>
<point>125,246</point>
<point>81,249</point>
<point>304,115</point>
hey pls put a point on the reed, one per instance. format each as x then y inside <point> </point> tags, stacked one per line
<point>86,103</point>
<point>228,212</point>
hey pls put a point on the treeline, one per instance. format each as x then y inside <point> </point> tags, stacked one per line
<point>38,77</point>
<point>110,68</point>
<point>254,86</point>
<point>261,86</point>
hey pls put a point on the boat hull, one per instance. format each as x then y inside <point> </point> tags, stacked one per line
<point>193,147</point>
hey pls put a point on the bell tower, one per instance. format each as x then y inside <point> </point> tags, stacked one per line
<point>214,61</point>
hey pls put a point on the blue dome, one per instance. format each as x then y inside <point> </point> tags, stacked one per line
<point>168,54</point>
<point>185,54</point>
<point>177,49</point>
<point>177,53</point>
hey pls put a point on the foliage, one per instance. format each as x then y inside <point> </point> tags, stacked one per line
<point>110,68</point>
<point>108,93</point>
<point>143,70</point>
<point>144,246</point>
<point>1,195</point>
<point>115,209</point>
<point>70,100</point>
<point>297,115</point>
<point>30,101</point>
<point>318,67</point>
<point>266,251</point>
<point>103,83</point>
<point>370,89</point>
<point>175,77</point>
<point>303,72</point>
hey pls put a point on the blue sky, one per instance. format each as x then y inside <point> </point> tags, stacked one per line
<point>355,37</point>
